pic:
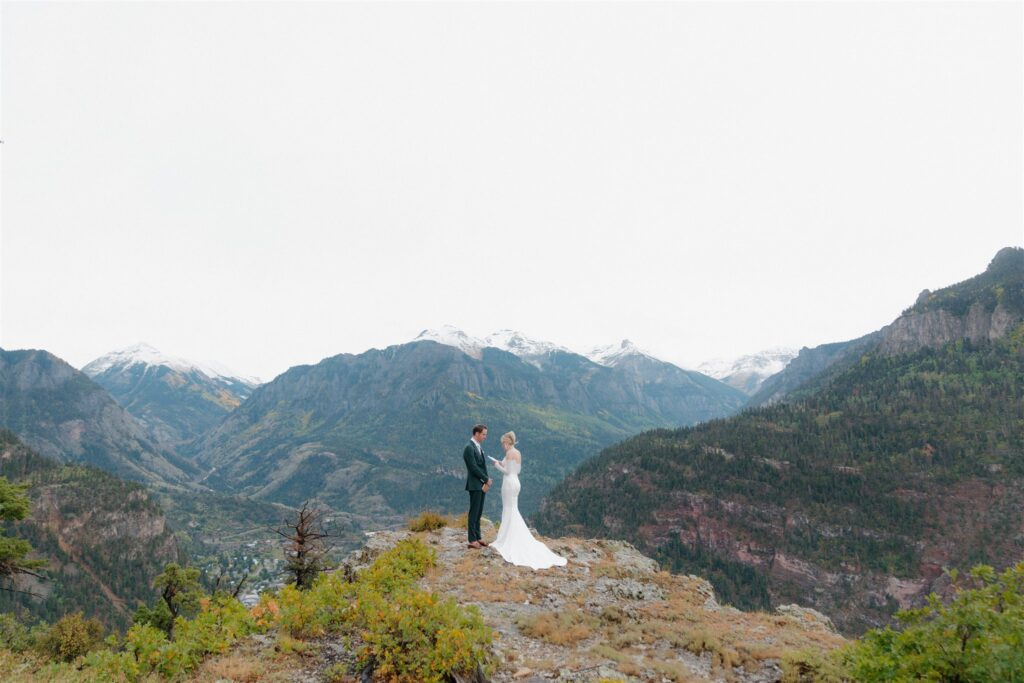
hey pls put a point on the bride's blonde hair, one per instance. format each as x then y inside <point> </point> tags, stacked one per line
<point>510,437</point>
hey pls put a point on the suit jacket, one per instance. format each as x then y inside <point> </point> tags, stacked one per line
<point>476,467</point>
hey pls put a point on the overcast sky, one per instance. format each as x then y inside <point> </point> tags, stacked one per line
<point>270,184</point>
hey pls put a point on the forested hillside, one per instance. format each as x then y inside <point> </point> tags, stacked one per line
<point>105,539</point>
<point>851,496</point>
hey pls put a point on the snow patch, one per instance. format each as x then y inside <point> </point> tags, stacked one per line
<point>613,354</point>
<point>145,354</point>
<point>763,364</point>
<point>507,340</point>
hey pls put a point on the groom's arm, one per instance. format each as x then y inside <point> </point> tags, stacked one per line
<point>469,456</point>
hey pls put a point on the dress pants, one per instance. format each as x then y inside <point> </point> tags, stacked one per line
<point>476,508</point>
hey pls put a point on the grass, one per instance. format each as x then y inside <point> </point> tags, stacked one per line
<point>235,667</point>
<point>558,628</point>
<point>672,670</point>
<point>428,521</point>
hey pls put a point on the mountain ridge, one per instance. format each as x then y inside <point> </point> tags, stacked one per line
<point>332,422</point>
<point>61,413</point>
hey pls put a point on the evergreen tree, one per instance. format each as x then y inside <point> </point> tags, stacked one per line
<point>14,561</point>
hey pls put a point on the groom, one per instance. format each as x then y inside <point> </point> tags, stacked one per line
<point>477,483</point>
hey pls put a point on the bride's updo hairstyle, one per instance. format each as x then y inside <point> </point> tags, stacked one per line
<point>510,437</point>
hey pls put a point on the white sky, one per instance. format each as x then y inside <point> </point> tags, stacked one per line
<point>270,184</point>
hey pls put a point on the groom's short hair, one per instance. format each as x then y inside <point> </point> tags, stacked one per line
<point>478,428</point>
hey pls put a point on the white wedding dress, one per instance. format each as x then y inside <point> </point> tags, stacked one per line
<point>515,542</point>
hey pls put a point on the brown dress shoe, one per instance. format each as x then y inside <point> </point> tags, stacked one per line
<point>484,544</point>
<point>475,545</point>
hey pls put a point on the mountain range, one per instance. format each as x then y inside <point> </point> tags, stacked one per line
<point>381,432</point>
<point>876,464</point>
<point>62,414</point>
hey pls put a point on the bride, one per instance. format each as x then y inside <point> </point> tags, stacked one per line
<point>515,542</point>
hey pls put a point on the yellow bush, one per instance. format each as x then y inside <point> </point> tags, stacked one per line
<point>428,521</point>
<point>71,636</point>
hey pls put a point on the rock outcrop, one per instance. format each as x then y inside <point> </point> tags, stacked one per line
<point>935,328</point>
<point>609,613</point>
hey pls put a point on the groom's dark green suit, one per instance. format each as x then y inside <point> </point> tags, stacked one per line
<point>476,477</point>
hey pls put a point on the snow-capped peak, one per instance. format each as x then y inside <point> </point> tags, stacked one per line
<point>519,344</point>
<point>146,354</point>
<point>216,370</point>
<point>133,355</point>
<point>507,340</point>
<point>612,354</point>
<point>764,363</point>
<point>453,336</point>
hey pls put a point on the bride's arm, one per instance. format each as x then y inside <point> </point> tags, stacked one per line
<point>499,465</point>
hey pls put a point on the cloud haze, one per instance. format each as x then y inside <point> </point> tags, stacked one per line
<point>269,184</point>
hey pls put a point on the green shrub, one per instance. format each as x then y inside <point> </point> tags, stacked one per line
<point>146,650</point>
<point>811,666</point>
<point>70,637</point>
<point>411,636</point>
<point>978,636</point>
<point>336,673</point>
<point>139,657</point>
<point>399,567</point>
<point>407,634</point>
<point>13,634</point>
<point>428,521</point>
<point>158,615</point>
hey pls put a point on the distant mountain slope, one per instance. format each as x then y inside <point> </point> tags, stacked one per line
<point>105,539</point>
<point>810,364</point>
<point>176,399</point>
<point>381,432</point>
<point>748,373</point>
<point>856,491</point>
<point>983,307</point>
<point>61,413</point>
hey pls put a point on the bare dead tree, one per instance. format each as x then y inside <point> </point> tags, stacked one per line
<point>305,550</point>
<point>238,587</point>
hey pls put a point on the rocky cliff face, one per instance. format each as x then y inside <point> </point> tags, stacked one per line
<point>855,596</point>
<point>937,327</point>
<point>609,613</point>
